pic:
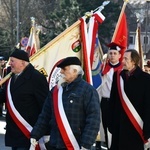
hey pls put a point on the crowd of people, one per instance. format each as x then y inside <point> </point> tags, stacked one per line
<point>68,116</point>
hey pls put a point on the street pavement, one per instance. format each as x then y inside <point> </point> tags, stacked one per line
<point>2,133</point>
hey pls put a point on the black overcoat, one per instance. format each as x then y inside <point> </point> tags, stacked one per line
<point>28,94</point>
<point>137,89</point>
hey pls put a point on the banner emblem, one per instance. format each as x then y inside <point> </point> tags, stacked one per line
<point>76,46</point>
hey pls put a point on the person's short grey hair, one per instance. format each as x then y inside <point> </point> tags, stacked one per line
<point>78,68</point>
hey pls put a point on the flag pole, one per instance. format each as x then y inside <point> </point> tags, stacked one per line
<point>140,46</point>
<point>33,30</point>
<point>18,21</point>
<point>3,80</point>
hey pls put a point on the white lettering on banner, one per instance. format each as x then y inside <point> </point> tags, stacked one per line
<point>54,77</point>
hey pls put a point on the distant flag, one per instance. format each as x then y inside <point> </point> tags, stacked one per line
<point>33,41</point>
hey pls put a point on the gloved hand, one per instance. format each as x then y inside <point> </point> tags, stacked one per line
<point>34,142</point>
<point>82,148</point>
<point>147,145</point>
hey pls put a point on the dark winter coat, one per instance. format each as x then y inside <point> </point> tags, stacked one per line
<point>137,89</point>
<point>81,105</point>
<point>28,94</point>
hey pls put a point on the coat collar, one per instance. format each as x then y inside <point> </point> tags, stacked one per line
<point>136,72</point>
<point>73,83</point>
<point>25,75</point>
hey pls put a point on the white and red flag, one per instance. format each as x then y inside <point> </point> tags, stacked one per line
<point>90,43</point>
<point>31,46</point>
<point>33,42</point>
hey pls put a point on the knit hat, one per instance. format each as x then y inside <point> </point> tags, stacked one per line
<point>69,61</point>
<point>20,54</point>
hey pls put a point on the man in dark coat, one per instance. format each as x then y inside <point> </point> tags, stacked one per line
<point>72,109</point>
<point>25,97</point>
<point>129,118</point>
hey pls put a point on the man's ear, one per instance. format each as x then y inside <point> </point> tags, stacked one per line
<point>75,70</point>
<point>23,62</point>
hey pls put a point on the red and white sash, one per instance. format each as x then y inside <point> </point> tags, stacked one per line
<point>62,121</point>
<point>131,112</point>
<point>23,125</point>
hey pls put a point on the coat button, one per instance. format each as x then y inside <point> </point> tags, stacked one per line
<point>71,101</point>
